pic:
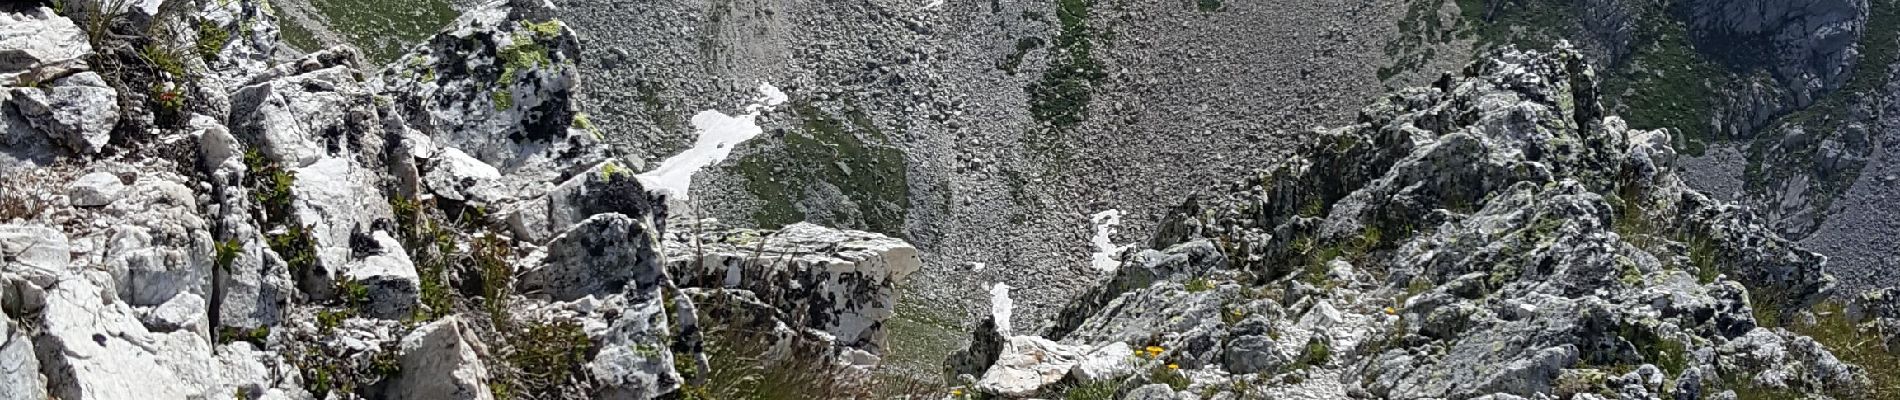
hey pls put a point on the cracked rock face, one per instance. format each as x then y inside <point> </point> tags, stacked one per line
<point>845,281</point>
<point>1492,235</point>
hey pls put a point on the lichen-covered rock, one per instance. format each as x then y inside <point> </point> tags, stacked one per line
<point>390,286</point>
<point>606,254</point>
<point>842,282</point>
<point>635,361</point>
<point>79,110</point>
<point>496,84</point>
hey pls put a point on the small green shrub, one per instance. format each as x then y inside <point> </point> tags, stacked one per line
<point>541,359</point>
<point>211,40</point>
<point>169,98</point>
<point>329,320</point>
<point>232,334</point>
<point>1317,353</point>
<point>164,59</point>
<point>227,253</point>
<point>492,255</point>
<point>1198,285</point>
<point>296,246</point>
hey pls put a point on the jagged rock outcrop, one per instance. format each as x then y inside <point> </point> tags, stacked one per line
<point>843,283</point>
<point>286,226</point>
<point>1493,235</point>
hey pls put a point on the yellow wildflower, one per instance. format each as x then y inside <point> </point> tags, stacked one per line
<point>1174,366</point>
<point>1391,311</point>
<point>1155,350</point>
<point>956,392</point>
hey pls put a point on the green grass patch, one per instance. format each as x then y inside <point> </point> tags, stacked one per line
<point>1857,344</point>
<point>1061,98</point>
<point>382,29</point>
<point>851,154</point>
<point>1669,85</point>
<point>1198,285</point>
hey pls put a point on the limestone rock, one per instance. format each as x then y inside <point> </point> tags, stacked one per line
<point>20,377</point>
<point>606,254</point>
<point>392,289</point>
<point>38,43</point>
<point>185,311</point>
<point>79,110</point>
<point>1028,364</point>
<point>92,344</point>
<point>634,361</point>
<point>508,104</point>
<point>844,281</point>
<point>439,361</point>
<point>96,189</point>
<point>36,256</point>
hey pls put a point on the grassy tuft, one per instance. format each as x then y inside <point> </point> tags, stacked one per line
<point>211,40</point>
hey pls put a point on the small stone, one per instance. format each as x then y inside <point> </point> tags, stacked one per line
<point>96,189</point>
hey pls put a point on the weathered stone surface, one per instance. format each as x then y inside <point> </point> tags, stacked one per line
<point>158,246</point>
<point>439,361</point>
<point>496,85</point>
<point>79,110</point>
<point>1028,364</point>
<point>455,172</point>
<point>391,287</point>
<point>606,254</point>
<point>185,311</point>
<point>293,119</point>
<point>1487,236</point>
<point>20,377</point>
<point>338,200</point>
<point>92,344</point>
<point>36,255</point>
<point>96,189</point>
<point>634,361</point>
<point>37,43</point>
<point>845,282</point>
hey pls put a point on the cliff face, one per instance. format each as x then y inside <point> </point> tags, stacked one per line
<point>1495,235</point>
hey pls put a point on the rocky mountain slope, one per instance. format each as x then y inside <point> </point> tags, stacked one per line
<point>1785,106</point>
<point>743,199</point>
<point>1496,235</point>
<point>190,211</point>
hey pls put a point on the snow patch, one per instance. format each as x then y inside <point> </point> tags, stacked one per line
<point>1001,307</point>
<point>718,134</point>
<point>1106,251</point>
<point>934,4</point>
